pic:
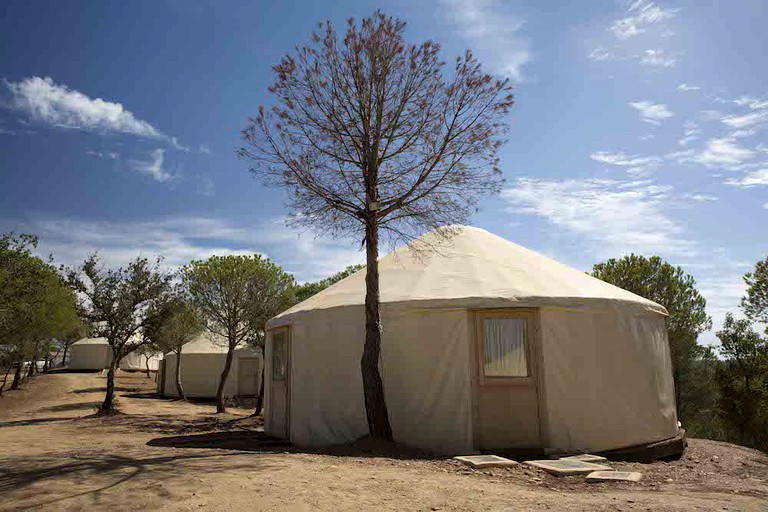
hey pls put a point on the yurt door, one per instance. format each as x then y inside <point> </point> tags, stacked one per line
<point>280,384</point>
<point>508,401</point>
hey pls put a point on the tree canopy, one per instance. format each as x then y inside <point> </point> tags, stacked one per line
<point>306,290</point>
<point>235,296</point>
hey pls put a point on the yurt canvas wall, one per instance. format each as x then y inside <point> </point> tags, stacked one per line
<point>202,361</point>
<point>597,366</point>
<point>138,361</point>
<point>89,354</point>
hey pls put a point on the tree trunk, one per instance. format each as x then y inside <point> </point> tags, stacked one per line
<point>224,374</point>
<point>64,358</point>
<point>146,363</point>
<point>32,367</point>
<point>5,379</point>
<point>179,388</point>
<point>45,366</point>
<point>108,406</point>
<point>260,395</point>
<point>373,388</point>
<point>17,376</point>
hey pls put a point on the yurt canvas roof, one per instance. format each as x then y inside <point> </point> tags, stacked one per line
<point>208,343</point>
<point>475,269</point>
<point>91,341</point>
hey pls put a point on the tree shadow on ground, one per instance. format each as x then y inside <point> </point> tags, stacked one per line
<point>102,389</point>
<point>71,407</point>
<point>256,441</point>
<point>115,469</point>
<point>34,421</point>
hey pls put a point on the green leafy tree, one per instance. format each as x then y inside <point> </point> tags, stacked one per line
<point>671,287</point>
<point>229,295</point>
<point>173,323</point>
<point>117,305</point>
<point>306,290</point>
<point>755,304</point>
<point>36,306</point>
<point>371,137</point>
<point>743,381</point>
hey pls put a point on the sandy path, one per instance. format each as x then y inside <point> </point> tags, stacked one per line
<point>51,456</point>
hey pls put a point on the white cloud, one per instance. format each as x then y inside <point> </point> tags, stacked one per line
<point>153,167</point>
<point>653,113</point>
<point>687,87</point>
<point>57,105</point>
<point>600,54</point>
<point>639,17</point>
<point>657,59</point>
<point>104,155</point>
<point>690,134</point>
<point>765,206</point>
<point>493,33</point>
<point>718,153</point>
<point>635,164</point>
<point>647,136</point>
<point>700,198</point>
<point>746,120</point>
<point>750,179</point>
<point>204,149</point>
<point>182,239</point>
<point>615,217</point>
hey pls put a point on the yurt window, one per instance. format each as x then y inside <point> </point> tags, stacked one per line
<point>505,342</point>
<point>278,355</point>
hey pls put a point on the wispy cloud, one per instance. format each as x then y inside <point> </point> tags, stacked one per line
<point>181,239</point>
<point>718,153</point>
<point>615,217</point>
<point>634,164</point>
<point>57,105</point>
<point>639,17</point>
<point>153,167</point>
<point>687,87</point>
<point>691,133</point>
<point>657,59</point>
<point>653,113</point>
<point>493,33</point>
<point>750,179</point>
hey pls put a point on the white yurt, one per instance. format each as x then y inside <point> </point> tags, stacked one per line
<point>89,354</point>
<point>487,346</point>
<point>202,361</point>
<point>139,361</point>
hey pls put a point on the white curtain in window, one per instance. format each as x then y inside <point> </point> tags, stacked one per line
<point>505,342</point>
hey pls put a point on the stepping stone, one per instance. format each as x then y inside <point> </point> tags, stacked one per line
<point>485,461</point>
<point>585,457</point>
<point>621,476</point>
<point>564,467</point>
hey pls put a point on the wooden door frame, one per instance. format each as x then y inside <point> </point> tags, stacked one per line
<point>534,357</point>
<point>287,378</point>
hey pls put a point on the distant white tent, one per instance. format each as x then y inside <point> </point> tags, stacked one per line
<point>486,346</point>
<point>202,361</point>
<point>96,354</point>
<point>137,360</point>
<point>89,354</point>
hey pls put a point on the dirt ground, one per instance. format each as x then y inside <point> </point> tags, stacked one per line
<point>164,454</point>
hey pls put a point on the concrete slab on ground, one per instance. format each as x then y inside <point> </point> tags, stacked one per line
<point>585,457</point>
<point>564,467</point>
<point>621,476</point>
<point>485,461</point>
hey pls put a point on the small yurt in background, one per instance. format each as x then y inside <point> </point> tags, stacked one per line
<point>89,354</point>
<point>137,361</point>
<point>202,361</point>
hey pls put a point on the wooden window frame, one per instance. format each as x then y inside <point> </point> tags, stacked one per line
<point>530,317</point>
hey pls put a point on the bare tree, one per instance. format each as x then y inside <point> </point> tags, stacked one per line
<point>370,136</point>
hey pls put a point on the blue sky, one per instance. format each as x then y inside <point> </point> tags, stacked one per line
<point>639,127</point>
